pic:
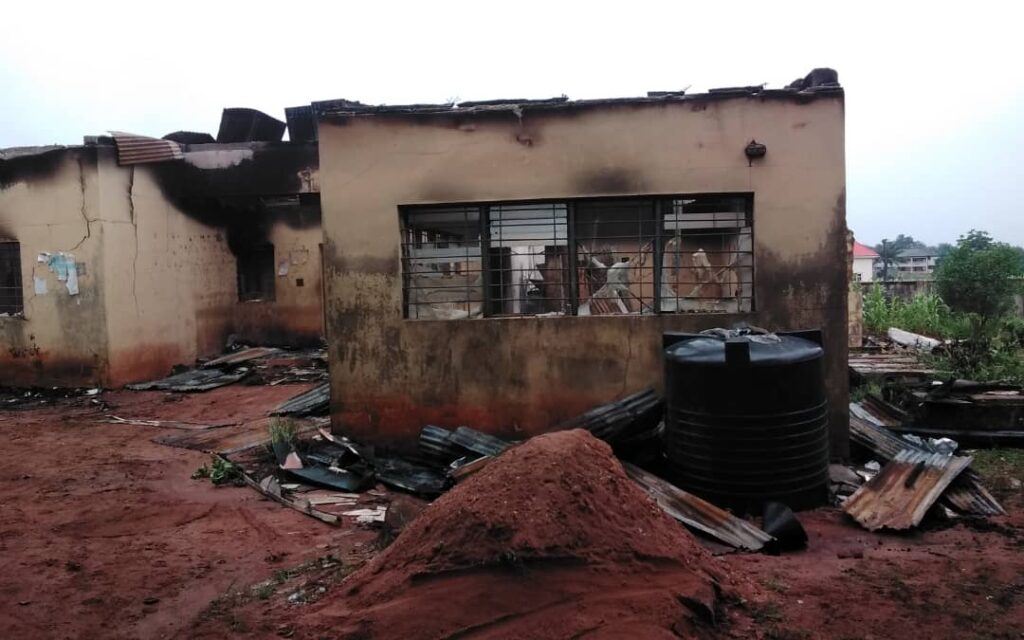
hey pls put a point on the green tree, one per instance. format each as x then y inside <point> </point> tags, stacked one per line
<point>980,276</point>
<point>889,251</point>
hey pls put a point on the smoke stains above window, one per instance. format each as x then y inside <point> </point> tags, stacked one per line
<point>632,256</point>
<point>11,300</point>
<point>256,273</point>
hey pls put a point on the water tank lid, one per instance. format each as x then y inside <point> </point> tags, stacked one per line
<point>765,350</point>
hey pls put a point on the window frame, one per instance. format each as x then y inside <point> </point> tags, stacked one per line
<point>17,309</point>
<point>661,205</point>
<point>243,256</point>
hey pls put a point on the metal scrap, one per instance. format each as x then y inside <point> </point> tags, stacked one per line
<point>479,442</point>
<point>193,380</point>
<point>311,402</point>
<point>401,474</point>
<point>136,149</point>
<point>239,357</point>
<point>900,495</point>
<point>620,420</point>
<point>699,514</point>
<point>966,494</point>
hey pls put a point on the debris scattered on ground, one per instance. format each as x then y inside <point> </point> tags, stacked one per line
<point>19,398</point>
<point>914,341</point>
<point>193,380</point>
<point>238,357</point>
<point>966,494</point>
<point>553,525</point>
<point>169,424</point>
<point>308,403</point>
<point>260,365</point>
<point>903,491</point>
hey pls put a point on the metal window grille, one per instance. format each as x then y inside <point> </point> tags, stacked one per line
<point>583,257</point>
<point>442,263</point>
<point>707,255</point>
<point>528,259</point>
<point>11,295</point>
<point>255,267</point>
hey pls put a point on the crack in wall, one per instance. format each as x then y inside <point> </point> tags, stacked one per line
<point>135,227</point>
<point>81,184</point>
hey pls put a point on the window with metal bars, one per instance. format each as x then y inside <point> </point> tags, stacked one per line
<point>579,257</point>
<point>11,296</point>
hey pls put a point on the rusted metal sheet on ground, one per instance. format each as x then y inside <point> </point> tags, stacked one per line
<point>134,149</point>
<point>966,494</point>
<point>902,492</point>
<point>239,357</point>
<point>699,514</point>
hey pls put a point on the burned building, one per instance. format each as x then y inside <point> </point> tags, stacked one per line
<point>509,264</point>
<point>125,256</point>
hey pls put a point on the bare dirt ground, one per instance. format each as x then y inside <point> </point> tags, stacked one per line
<point>104,535</point>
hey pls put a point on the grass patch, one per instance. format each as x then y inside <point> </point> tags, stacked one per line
<point>220,472</point>
<point>282,430</point>
<point>997,464</point>
<point>861,392</point>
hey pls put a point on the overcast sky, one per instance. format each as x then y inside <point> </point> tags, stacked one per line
<point>934,103</point>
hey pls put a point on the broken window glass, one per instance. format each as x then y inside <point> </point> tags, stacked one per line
<point>256,270</point>
<point>11,296</point>
<point>707,255</point>
<point>528,259</point>
<point>442,263</point>
<point>615,256</point>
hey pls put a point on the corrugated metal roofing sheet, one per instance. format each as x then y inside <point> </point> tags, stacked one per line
<point>902,492</point>
<point>133,149</point>
<point>966,494</point>
<point>699,514</point>
<point>306,403</point>
<point>239,357</point>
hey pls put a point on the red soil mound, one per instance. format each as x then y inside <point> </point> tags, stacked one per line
<point>551,540</point>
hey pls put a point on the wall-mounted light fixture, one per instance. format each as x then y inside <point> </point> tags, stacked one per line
<point>754,150</point>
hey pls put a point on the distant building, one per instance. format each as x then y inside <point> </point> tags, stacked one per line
<point>863,262</point>
<point>916,263</point>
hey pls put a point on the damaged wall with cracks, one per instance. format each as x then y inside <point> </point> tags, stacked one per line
<point>159,284</point>
<point>518,376</point>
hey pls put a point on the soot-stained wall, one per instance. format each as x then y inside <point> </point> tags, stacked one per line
<point>157,247</point>
<point>519,376</point>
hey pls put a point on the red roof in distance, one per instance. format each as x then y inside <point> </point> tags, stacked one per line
<point>863,251</point>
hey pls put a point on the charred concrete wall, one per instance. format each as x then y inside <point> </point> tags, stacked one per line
<point>295,317</point>
<point>159,286</point>
<point>50,205</point>
<point>519,376</point>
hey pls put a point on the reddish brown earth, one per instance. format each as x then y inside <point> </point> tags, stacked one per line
<point>95,519</point>
<point>550,540</point>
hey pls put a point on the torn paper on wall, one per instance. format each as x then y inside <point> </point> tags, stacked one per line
<point>64,267</point>
<point>39,285</point>
<point>282,268</point>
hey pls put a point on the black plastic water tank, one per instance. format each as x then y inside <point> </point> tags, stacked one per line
<point>747,418</point>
